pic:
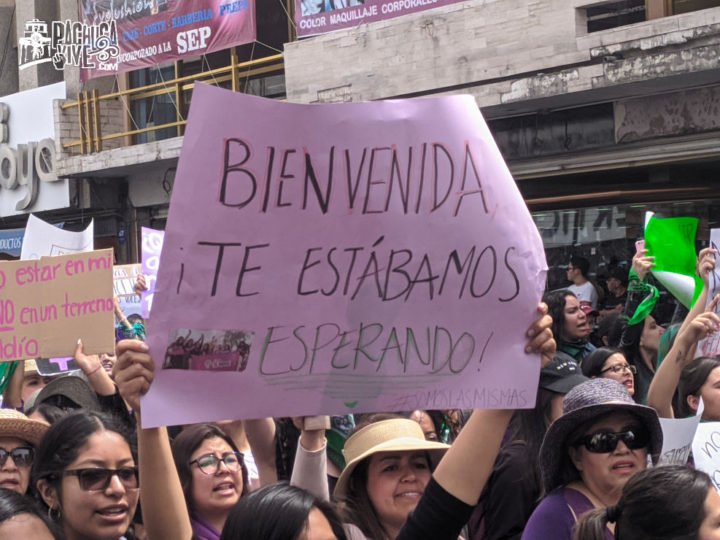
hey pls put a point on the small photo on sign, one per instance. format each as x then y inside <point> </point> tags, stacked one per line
<point>208,350</point>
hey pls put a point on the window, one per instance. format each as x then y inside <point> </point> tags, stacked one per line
<point>686,6</point>
<point>155,110</point>
<point>614,14</point>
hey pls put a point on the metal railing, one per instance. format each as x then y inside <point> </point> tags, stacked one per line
<point>89,111</point>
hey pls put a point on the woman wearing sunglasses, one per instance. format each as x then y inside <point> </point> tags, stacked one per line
<point>85,474</point>
<point>18,438</point>
<point>608,363</point>
<point>212,474</point>
<point>602,439</point>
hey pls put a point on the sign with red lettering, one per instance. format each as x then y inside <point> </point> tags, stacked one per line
<point>46,305</point>
<point>150,32</point>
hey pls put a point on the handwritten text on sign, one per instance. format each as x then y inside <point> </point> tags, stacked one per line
<point>706,450</point>
<point>47,304</point>
<point>372,256</point>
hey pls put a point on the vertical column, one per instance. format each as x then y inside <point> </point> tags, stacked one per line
<point>656,9</point>
<point>40,74</point>
<point>8,38</point>
<point>68,10</point>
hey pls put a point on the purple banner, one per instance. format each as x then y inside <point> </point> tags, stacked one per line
<point>152,242</point>
<point>151,32</point>
<point>314,17</point>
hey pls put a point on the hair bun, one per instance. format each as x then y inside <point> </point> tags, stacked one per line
<point>612,514</point>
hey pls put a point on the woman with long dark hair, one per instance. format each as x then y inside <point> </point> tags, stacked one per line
<point>673,502</point>
<point>514,486</point>
<point>212,474</point>
<point>571,327</point>
<point>282,512</point>
<point>682,377</point>
<point>86,476</point>
<point>20,517</point>
<point>610,363</point>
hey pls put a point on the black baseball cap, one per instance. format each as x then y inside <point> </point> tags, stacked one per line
<point>561,375</point>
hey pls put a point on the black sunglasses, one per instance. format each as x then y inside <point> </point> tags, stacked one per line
<point>99,479</point>
<point>605,442</point>
<point>22,456</point>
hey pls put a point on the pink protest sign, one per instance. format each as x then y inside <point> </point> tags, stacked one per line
<point>152,242</point>
<point>342,258</point>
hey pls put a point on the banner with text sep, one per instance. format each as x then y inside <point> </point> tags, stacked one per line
<point>152,32</point>
<point>314,17</point>
<point>326,259</point>
<point>46,305</point>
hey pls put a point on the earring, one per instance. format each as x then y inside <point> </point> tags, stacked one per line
<point>56,516</point>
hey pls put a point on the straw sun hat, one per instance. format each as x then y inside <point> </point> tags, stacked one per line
<point>395,435</point>
<point>584,404</point>
<point>15,424</point>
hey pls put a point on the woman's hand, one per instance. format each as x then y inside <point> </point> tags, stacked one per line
<point>642,264</point>
<point>133,371</point>
<point>312,431</point>
<point>88,363</point>
<point>140,284</point>
<point>706,264</point>
<point>540,336</point>
<point>705,324</point>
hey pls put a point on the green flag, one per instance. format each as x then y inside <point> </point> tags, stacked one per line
<point>672,242</point>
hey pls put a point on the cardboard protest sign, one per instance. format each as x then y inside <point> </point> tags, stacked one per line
<point>152,242</point>
<point>346,257</point>
<point>124,277</point>
<point>45,240</point>
<point>47,304</point>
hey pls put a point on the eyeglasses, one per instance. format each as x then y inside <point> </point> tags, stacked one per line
<point>210,463</point>
<point>619,368</point>
<point>99,479</point>
<point>21,456</point>
<point>605,442</point>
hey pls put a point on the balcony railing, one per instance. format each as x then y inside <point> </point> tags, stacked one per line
<point>89,105</point>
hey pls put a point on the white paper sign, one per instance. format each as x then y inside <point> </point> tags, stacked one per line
<point>706,450</point>
<point>45,240</point>
<point>678,435</point>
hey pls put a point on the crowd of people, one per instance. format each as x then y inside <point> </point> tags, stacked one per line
<point>581,464</point>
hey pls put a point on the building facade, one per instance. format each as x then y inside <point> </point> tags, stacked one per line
<point>602,109</point>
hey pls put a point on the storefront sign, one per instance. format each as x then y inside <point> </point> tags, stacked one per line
<point>28,182</point>
<point>11,241</point>
<point>150,32</point>
<point>314,17</point>
<point>581,226</point>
